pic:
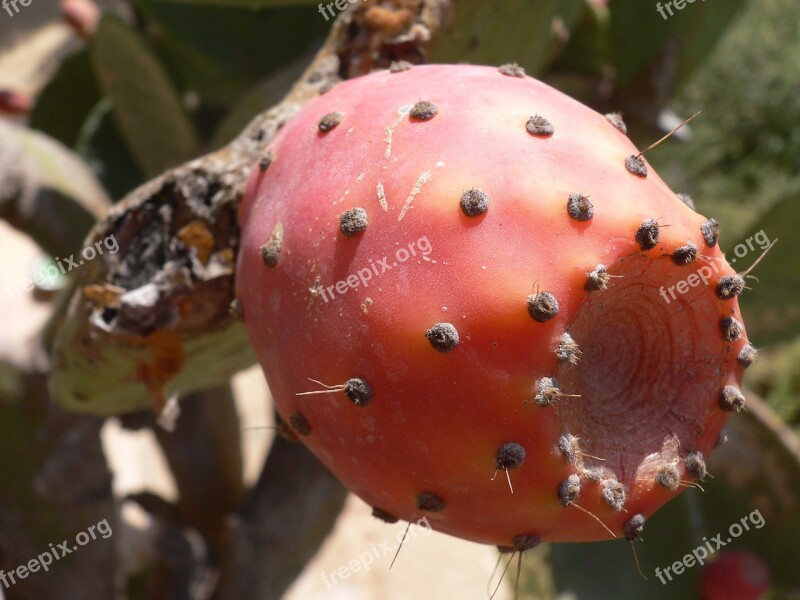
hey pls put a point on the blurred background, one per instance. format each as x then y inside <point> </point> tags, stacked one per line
<point>97,98</point>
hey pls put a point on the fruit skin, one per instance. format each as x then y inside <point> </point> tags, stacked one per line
<point>734,575</point>
<point>649,367</point>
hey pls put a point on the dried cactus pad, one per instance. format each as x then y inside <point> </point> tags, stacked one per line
<point>473,309</point>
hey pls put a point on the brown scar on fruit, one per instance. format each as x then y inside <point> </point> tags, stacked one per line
<point>271,251</point>
<point>647,235</point>
<point>747,355</point>
<point>579,208</point>
<point>731,399</point>
<point>710,231</point>
<point>330,121</point>
<point>511,70</point>
<point>353,222</point>
<point>569,446</point>
<point>300,423</point>
<point>598,279</point>
<point>667,477</point>
<point>730,286</point>
<point>615,119</point>
<point>424,178</point>
<point>382,197</point>
<point>567,349</point>
<point>443,337</point>
<point>547,392</point>
<point>613,493</point>
<point>632,528</point>
<point>542,306</point>
<point>357,390</point>
<point>730,329</point>
<point>423,111</point>
<point>685,255</point>
<point>636,165</point>
<point>474,202</point>
<point>509,456</point>
<point>539,126</point>
<point>695,464</point>
<point>430,502</point>
<point>569,489</point>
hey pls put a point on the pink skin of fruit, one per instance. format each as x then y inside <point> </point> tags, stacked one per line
<point>82,15</point>
<point>15,103</point>
<point>649,373</point>
<point>734,575</point>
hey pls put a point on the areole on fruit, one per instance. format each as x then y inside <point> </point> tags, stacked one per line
<point>532,337</point>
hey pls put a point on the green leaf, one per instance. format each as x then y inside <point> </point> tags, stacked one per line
<point>147,108</point>
<point>770,309</point>
<point>250,104</point>
<point>104,150</point>
<point>222,50</point>
<point>61,200</point>
<point>492,33</point>
<point>639,33</point>
<point>68,97</point>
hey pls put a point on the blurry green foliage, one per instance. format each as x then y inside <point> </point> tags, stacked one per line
<point>174,83</point>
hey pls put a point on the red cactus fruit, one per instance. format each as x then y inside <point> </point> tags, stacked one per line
<point>734,575</point>
<point>462,282</point>
<point>15,103</point>
<point>82,15</point>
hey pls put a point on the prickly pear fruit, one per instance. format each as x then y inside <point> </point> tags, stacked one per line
<point>477,303</point>
<point>734,575</point>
